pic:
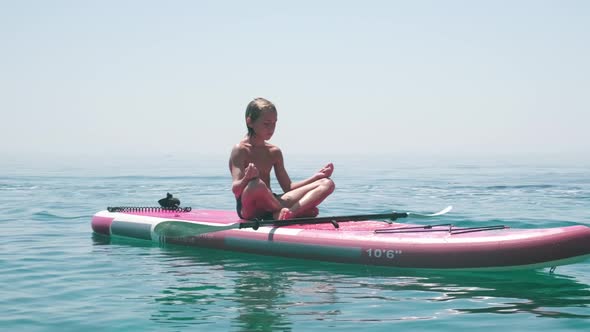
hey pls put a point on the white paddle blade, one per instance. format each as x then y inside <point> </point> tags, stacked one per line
<point>439,213</point>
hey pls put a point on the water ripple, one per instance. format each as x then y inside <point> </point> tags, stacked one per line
<point>57,276</point>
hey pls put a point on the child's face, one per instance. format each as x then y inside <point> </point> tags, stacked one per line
<point>264,126</point>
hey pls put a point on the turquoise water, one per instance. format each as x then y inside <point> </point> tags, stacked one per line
<point>56,275</point>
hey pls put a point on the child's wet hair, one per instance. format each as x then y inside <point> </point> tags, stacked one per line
<point>255,108</point>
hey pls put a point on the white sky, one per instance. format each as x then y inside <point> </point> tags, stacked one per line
<point>140,78</point>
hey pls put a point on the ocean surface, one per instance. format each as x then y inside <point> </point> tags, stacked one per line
<point>55,275</point>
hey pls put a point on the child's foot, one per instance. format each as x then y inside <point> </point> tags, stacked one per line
<point>285,214</point>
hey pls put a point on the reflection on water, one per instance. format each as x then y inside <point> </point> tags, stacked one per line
<point>259,296</point>
<point>252,292</point>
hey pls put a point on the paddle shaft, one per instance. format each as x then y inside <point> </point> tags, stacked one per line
<point>194,228</point>
<point>322,220</point>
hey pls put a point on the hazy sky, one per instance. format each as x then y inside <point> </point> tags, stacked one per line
<point>469,78</point>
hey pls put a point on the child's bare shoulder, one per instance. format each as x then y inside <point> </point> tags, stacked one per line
<point>273,148</point>
<point>275,152</point>
<point>240,149</point>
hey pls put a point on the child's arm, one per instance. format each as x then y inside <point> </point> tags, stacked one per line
<point>240,176</point>
<point>285,181</point>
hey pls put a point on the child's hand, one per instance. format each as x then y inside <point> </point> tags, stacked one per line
<point>251,172</point>
<point>326,172</point>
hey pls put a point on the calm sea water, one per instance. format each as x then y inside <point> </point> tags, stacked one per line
<point>56,275</point>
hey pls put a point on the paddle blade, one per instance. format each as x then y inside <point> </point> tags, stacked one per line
<point>439,213</point>
<point>175,228</point>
